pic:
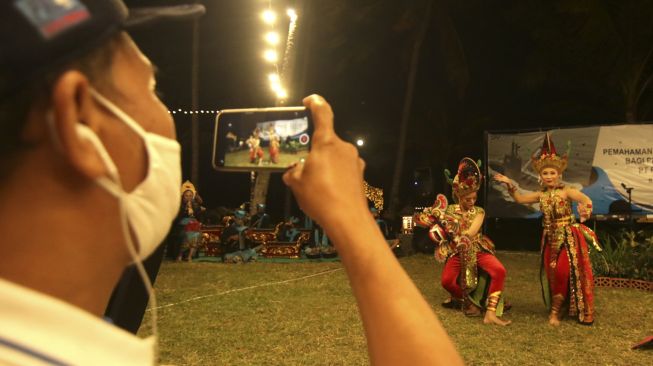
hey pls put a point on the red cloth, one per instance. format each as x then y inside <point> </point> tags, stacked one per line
<point>485,261</point>
<point>646,343</point>
<point>255,153</point>
<point>573,270</point>
<point>274,154</point>
<point>193,225</point>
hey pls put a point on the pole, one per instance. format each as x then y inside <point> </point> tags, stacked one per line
<point>195,128</point>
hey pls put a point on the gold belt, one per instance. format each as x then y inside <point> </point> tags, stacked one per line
<point>558,222</point>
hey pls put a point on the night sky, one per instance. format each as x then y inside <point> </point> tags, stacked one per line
<point>483,65</point>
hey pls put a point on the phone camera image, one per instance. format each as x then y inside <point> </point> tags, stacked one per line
<point>261,139</point>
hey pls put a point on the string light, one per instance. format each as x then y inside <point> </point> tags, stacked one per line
<point>269,17</point>
<point>274,78</point>
<point>272,38</point>
<point>271,56</point>
<point>374,194</point>
<point>201,111</point>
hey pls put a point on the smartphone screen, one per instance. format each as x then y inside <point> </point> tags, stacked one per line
<point>261,139</point>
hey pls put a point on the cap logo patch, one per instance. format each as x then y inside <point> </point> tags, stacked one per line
<point>52,17</point>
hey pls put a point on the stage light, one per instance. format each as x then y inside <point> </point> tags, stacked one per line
<point>271,56</point>
<point>269,17</point>
<point>292,14</point>
<point>276,87</point>
<point>282,94</point>
<point>360,142</point>
<point>272,38</point>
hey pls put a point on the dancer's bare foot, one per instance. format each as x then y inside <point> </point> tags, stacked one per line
<point>556,304</point>
<point>491,318</point>
<point>472,310</point>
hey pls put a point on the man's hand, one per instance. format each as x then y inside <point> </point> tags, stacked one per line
<point>463,243</point>
<point>329,184</point>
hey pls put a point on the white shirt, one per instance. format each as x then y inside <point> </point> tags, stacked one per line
<point>37,329</point>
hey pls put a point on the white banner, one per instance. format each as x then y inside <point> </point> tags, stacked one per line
<point>625,154</point>
<point>605,162</point>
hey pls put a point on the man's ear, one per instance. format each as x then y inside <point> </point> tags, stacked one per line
<point>72,104</point>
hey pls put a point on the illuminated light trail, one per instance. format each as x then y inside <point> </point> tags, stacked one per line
<point>271,55</point>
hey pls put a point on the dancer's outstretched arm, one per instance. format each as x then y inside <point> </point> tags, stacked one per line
<point>400,326</point>
<point>512,189</point>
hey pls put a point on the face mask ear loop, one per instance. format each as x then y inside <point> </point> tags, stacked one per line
<point>120,193</point>
<point>144,277</point>
<point>106,103</point>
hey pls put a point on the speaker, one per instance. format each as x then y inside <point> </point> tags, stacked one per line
<point>405,247</point>
<point>619,207</point>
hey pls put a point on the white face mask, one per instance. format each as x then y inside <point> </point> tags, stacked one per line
<point>152,206</point>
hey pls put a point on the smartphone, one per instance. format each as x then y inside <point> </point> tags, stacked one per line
<point>257,139</point>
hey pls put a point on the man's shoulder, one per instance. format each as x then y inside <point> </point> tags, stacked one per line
<point>40,329</point>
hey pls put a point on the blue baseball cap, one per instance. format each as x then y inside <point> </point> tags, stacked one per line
<point>38,36</point>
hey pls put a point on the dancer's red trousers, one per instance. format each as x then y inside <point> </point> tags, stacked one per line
<point>485,261</point>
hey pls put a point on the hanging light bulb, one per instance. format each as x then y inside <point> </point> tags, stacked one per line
<point>272,38</point>
<point>274,78</point>
<point>269,17</point>
<point>271,56</point>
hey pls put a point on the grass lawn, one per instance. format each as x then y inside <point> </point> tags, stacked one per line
<point>314,321</point>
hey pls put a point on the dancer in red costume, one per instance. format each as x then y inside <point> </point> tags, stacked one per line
<point>566,271</point>
<point>274,145</point>
<point>472,274</point>
<point>255,150</point>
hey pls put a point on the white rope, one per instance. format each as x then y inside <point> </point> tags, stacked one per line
<point>247,288</point>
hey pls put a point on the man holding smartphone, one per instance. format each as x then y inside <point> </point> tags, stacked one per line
<point>84,132</point>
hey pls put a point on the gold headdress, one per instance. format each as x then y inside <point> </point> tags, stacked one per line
<point>547,157</point>
<point>468,179</point>
<point>188,186</point>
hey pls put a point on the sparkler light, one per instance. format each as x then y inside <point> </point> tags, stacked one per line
<point>292,14</point>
